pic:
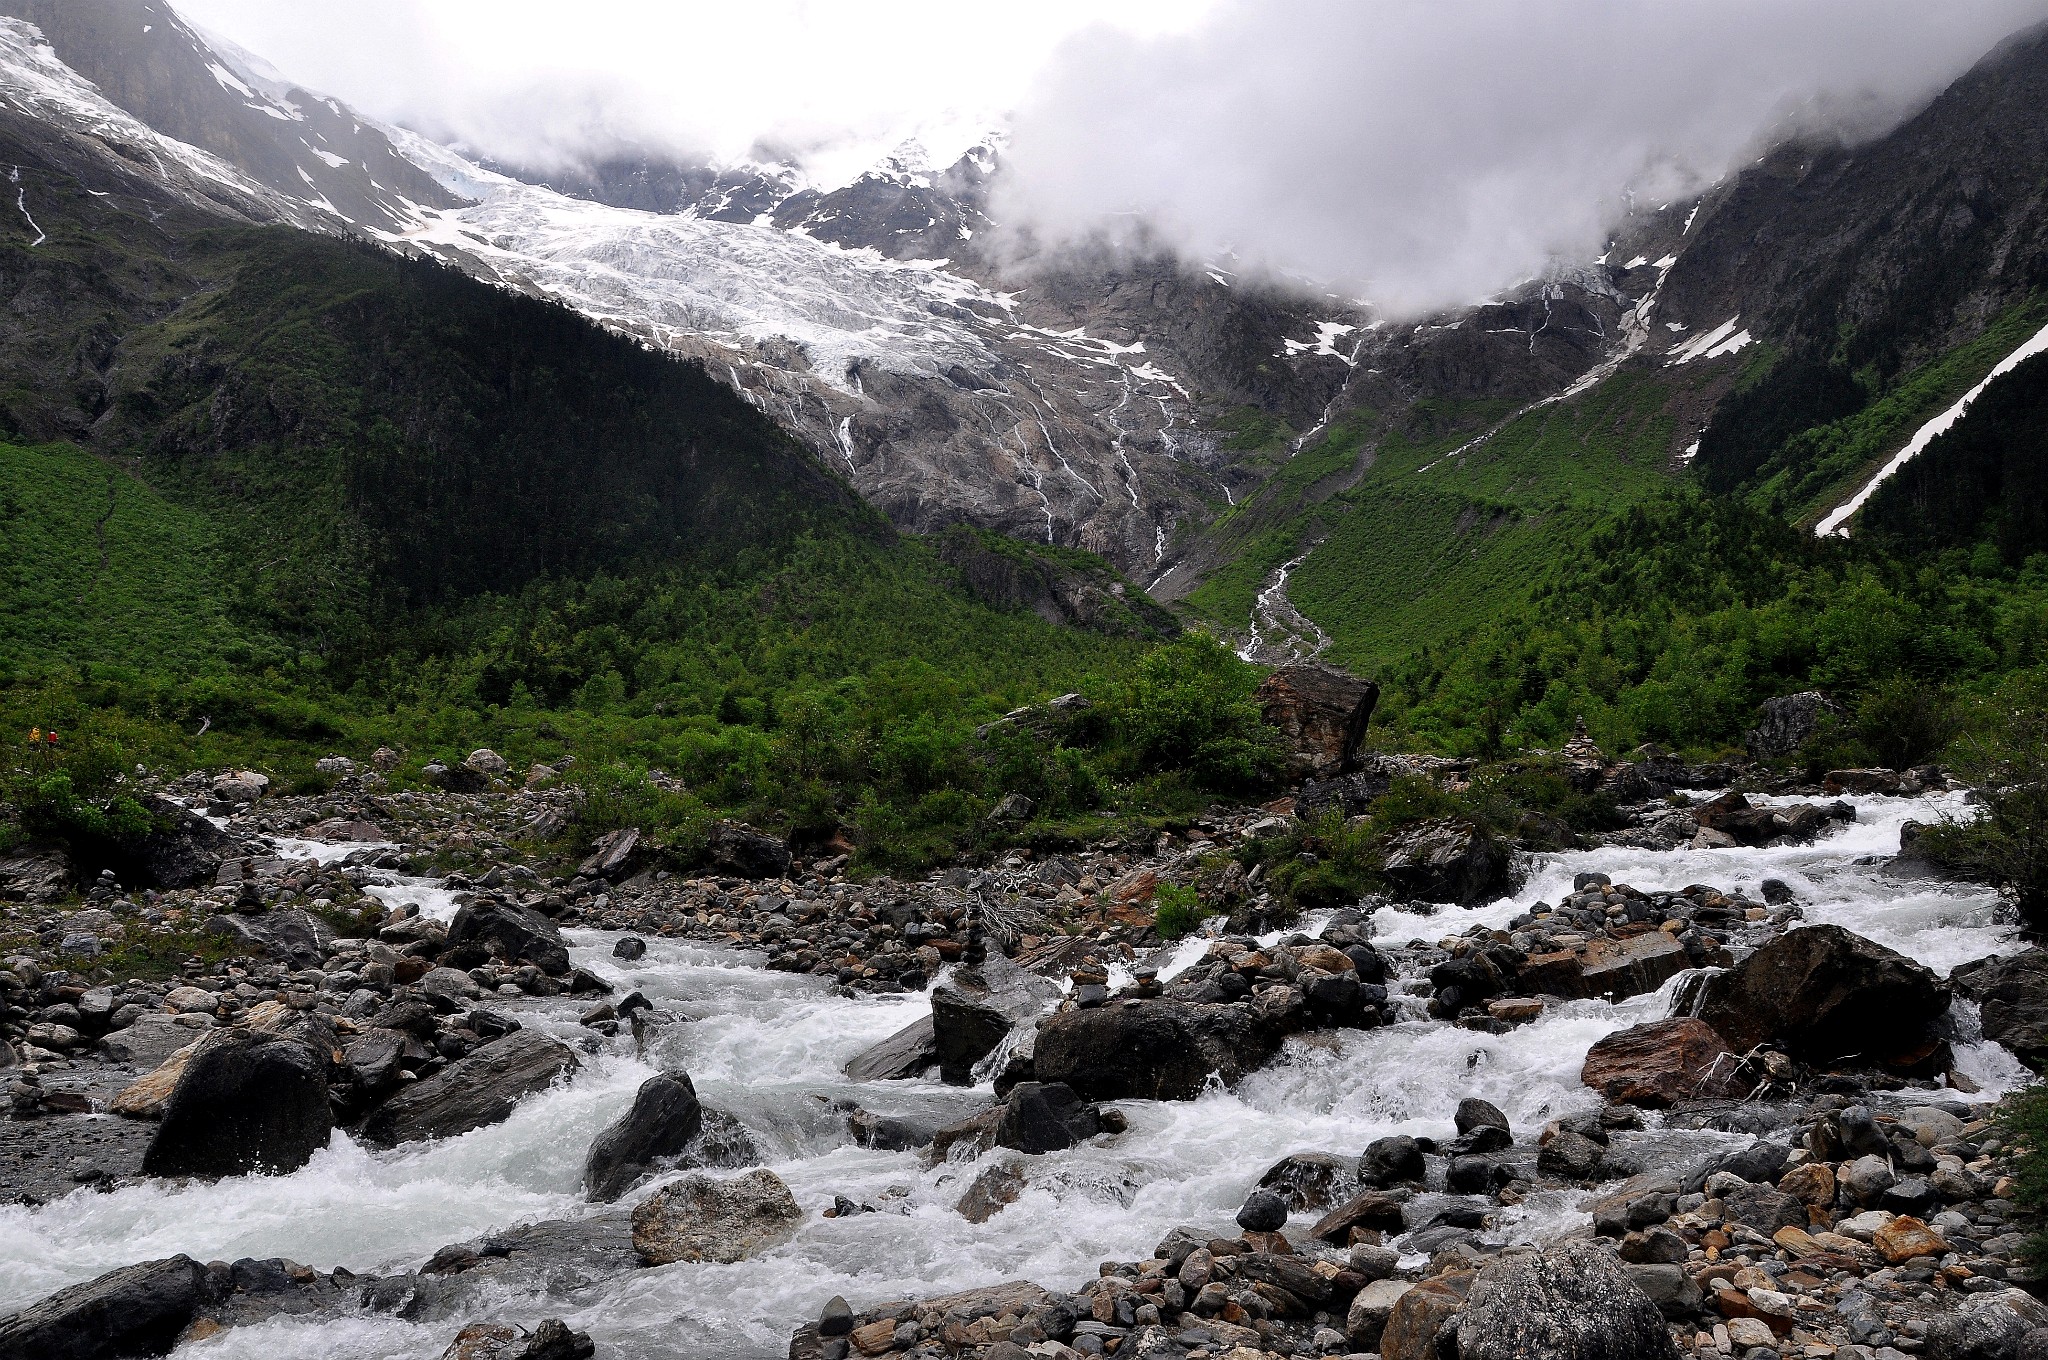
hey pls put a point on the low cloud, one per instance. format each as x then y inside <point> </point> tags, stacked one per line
<point>1424,154</point>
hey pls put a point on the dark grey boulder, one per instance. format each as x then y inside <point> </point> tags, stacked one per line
<point>1312,1180</point>
<point>246,1101</point>
<point>470,1092</point>
<point>1155,1050</point>
<point>1042,1117</point>
<point>965,1029</point>
<point>2012,994</point>
<point>1474,1113</point>
<point>136,1310</point>
<point>664,1118</point>
<point>1570,1302</point>
<point>183,850</point>
<point>377,1060</point>
<point>1826,995</point>
<point>906,1053</point>
<point>974,1012</point>
<point>1787,722</point>
<point>738,850</point>
<point>1762,1208</point>
<point>36,873</point>
<point>1388,1161</point>
<point>1263,1211</point>
<point>491,928</point>
<point>1990,1326</point>
<point>293,936</point>
<point>1449,860</point>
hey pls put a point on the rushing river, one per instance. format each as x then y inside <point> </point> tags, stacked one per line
<point>768,1047</point>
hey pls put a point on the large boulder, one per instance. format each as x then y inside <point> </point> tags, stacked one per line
<point>965,1029</point>
<point>1825,995</point>
<point>294,935</point>
<point>1421,1312</point>
<point>153,1037</point>
<point>612,855</point>
<point>183,849</point>
<point>2012,994</point>
<point>664,1118</point>
<point>737,850</point>
<point>471,1092</point>
<point>1788,723</point>
<point>1605,968</point>
<point>700,1218</point>
<point>1045,1117</point>
<point>136,1310</point>
<point>1747,823</point>
<point>1449,860</point>
<point>1663,1063</point>
<point>1569,1302</point>
<point>975,1011</point>
<point>1321,713</point>
<point>1989,1326</point>
<point>1154,1050</point>
<point>35,873</point>
<point>906,1053</point>
<point>245,1101</point>
<point>491,928</point>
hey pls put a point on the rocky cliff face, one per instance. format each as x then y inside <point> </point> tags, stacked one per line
<point>146,61</point>
<point>1078,399</point>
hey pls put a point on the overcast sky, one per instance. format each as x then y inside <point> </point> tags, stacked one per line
<point>1423,152</point>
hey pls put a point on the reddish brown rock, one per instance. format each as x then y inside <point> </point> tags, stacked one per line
<point>1610,969</point>
<point>1321,713</point>
<point>1663,1063</point>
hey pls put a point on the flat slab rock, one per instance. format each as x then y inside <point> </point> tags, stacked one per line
<point>471,1092</point>
<point>137,1310</point>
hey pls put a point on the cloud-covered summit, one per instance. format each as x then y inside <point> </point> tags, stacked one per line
<point>1426,155</point>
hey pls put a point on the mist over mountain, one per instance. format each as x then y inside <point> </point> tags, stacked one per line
<point>1428,156</point>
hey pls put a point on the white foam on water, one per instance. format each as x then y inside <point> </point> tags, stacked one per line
<point>323,852</point>
<point>1837,879</point>
<point>434,898</point>
<point>769,1047</point>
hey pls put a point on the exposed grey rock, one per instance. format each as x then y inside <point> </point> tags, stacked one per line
<point>1154,1050</point>
<point>973,1013</point>
<point>1826,995</point>
<point>699,1218</point>
<point>245,1101</point>
<point>291,935</point>
<point>185,849</point>
<point>491,928</point>
<point>1570,1302</point>
<point>2012,993</point>
<point>1263,1211</point>
<point>906,1053</point>
<point>664,1117</point>
<point>470,1092</point>
<point>136,1310</point>
<point>35,873</point>
<point>1042,1117</point>
<point>1789,722</point>
<point>612,853</point>
<point>739,850</point>
<point>1450,860</point>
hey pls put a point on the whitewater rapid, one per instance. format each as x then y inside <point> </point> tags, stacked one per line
<point>768,1047</point>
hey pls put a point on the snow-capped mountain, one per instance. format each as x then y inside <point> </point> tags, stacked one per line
<point>1076,400</point>
<point>142,59</point>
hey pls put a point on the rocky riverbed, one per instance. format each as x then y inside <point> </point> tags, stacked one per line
<point>990,1113</point>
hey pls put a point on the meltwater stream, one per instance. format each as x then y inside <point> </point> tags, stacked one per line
<point>767,1048</point>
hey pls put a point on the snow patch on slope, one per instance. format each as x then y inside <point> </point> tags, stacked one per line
<point>1837,522</point>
